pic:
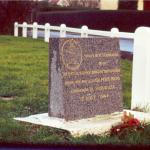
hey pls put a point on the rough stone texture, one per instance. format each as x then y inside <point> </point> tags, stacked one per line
<point>84,77</point>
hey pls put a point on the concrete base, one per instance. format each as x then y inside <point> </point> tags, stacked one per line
<point>96,125</point>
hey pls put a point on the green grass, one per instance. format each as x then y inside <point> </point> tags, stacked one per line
<point>126,67</point>
<point>24,76</point>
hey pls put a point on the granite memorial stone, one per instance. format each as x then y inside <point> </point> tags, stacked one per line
<point>84,77</point>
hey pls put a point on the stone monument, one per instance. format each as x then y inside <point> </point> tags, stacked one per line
<point>84,77</point>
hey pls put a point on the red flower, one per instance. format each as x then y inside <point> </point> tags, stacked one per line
<point>129,123</point>
<point>133,122</point>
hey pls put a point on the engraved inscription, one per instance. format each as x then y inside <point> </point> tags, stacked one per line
<point>94,84</point>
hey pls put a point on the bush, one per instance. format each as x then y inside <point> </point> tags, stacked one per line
<point>99,20</point>
<point>11,11</point>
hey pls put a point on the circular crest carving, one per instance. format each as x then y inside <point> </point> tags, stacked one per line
<point>71,54</point>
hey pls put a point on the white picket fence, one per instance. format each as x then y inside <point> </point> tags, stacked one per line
<point>141,53</point>
<point>63,29</point>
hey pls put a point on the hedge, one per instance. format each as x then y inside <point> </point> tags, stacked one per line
<point>101,20</point>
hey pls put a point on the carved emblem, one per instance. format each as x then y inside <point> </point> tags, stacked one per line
<point>71,54</point>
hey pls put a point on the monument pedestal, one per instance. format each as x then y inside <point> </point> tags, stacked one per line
<point>95,125</point>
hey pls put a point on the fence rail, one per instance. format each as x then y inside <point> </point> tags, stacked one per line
<point>84,31</point>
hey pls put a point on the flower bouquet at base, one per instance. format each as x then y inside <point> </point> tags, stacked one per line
<point>128,124</point>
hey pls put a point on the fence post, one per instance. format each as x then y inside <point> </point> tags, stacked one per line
<point>35,30</point>
<point>62,30</point>
<point>141,69</point>
<point>24,29</point>
<point>114,32</point>
<point>47,32</point>
<point>16,29</point>
<point>84,31</point>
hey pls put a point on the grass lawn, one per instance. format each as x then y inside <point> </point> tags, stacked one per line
<point>24,78</point>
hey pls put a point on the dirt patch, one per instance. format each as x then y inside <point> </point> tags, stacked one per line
<point>7,98</point>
